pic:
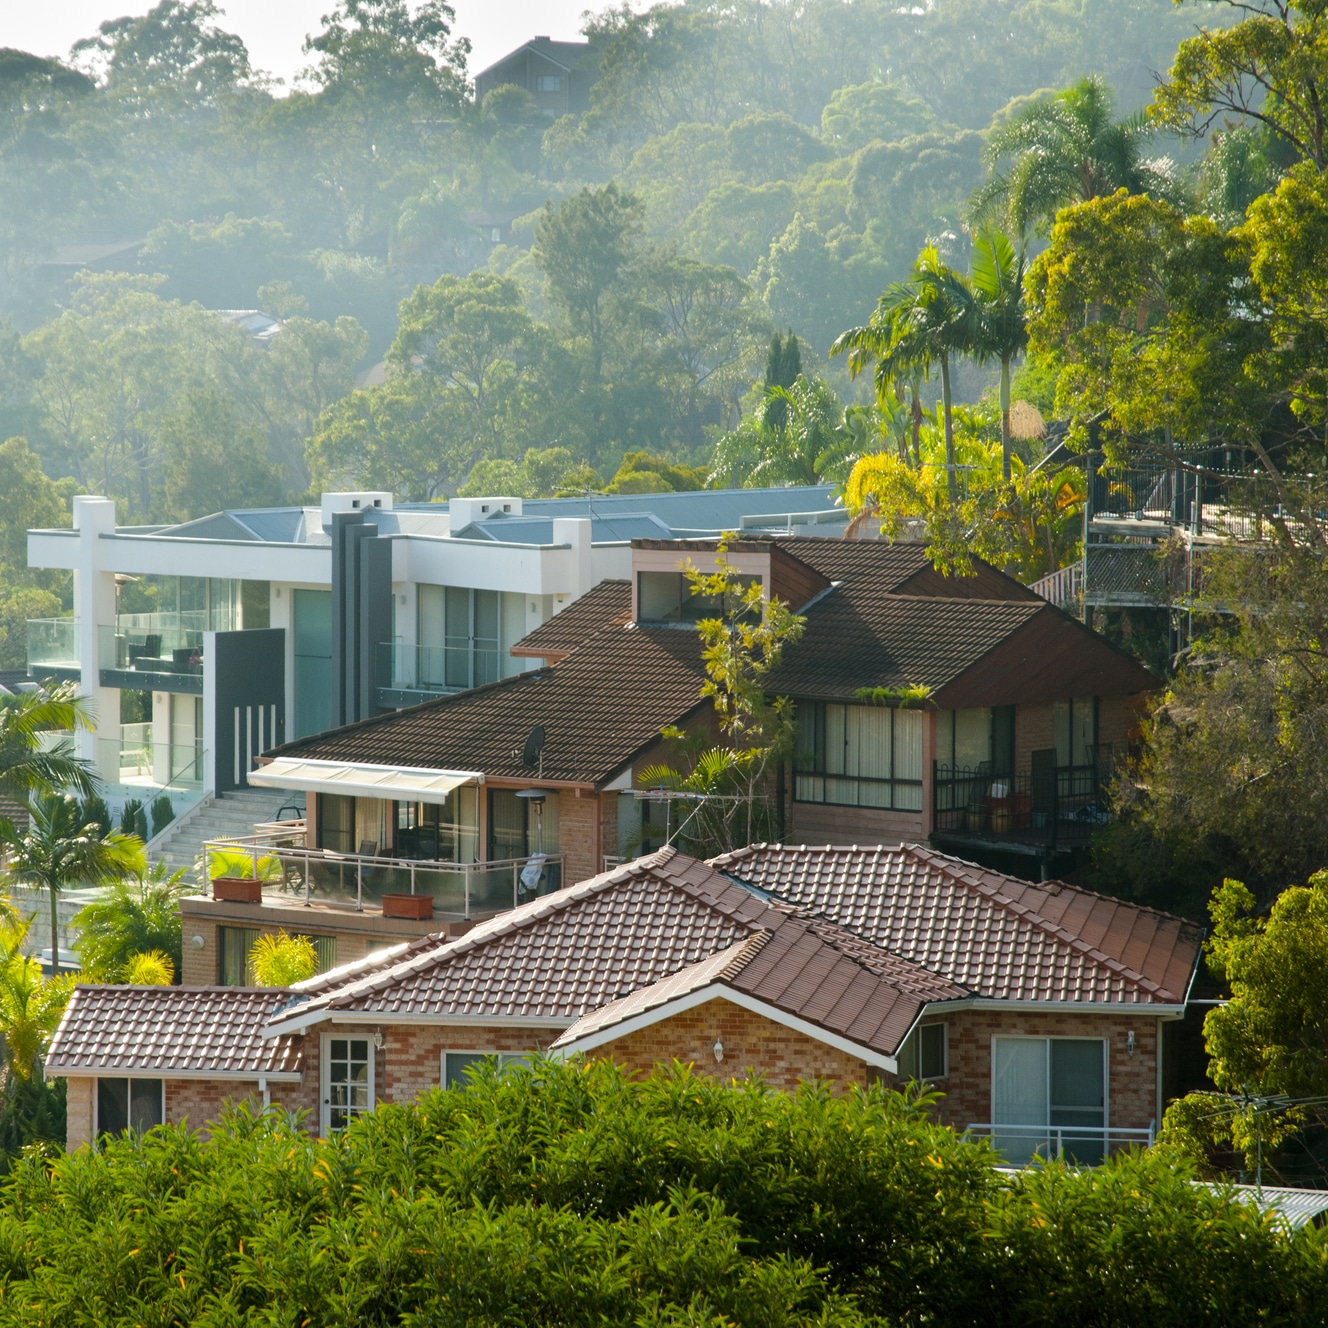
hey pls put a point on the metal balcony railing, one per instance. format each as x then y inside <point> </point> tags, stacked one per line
<point>1086,1145</point>
<point>461,891</point>
<point>1049,804</point>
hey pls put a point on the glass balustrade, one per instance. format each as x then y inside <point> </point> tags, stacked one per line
<point>153,650</point>
<point>53,647</point>
<point>404,667</point>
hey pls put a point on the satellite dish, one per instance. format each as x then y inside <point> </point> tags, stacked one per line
<point>534,749</point>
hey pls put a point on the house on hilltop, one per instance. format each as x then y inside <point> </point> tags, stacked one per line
<point>558,74</point>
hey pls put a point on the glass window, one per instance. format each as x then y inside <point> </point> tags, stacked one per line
<point>129,1104</point>
<point>859,756</point>
<point>347,1080</point>
<point>312,636</point>
<point>234,945</point>
<point>456,1065</point>
<point>336,822</point>
<point>548,83</point>
<point>1042,1089</point>
<point>430,635</point>
<point>923,1055</point>
<point>1074,727</point>
<point>486,640</point>
<point>440,832</point>
<point>666,597</point>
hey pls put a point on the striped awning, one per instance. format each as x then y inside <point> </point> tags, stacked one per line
<point>371,781</point>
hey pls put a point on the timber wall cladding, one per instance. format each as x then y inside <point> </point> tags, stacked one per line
<point>1131,1079</point>
<point>782,1056</point>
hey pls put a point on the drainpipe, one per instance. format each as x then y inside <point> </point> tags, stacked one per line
<point>262,1088</point>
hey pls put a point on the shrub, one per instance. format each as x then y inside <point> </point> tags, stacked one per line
<point>163,813</point>
<point>577,1196</point>
<point>133,819</point>
<point>94,811</point>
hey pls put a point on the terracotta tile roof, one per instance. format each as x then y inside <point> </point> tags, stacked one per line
<point>213,1030</point>
<point>599,707</point>
<point>998,936</point>
<point>634,930</point>
<point>608,604</point>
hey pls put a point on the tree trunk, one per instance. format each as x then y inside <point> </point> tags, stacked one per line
<point>55,932</point>
<point>1005,418</point>
<point>950,477</point>
<point>917,425</point>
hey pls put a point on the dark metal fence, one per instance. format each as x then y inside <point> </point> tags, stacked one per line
<point>1047,804</point>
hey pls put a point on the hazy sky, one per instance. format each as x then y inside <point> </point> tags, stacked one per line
<point>274,30</point>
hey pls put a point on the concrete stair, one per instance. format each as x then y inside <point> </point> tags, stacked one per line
<point>220,816</point>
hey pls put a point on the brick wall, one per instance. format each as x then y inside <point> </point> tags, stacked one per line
<point>410,1062</point>
<point>578,836</point>
<point>751,1042</point>
<point>200,967</point>
<point>1032,733</point>
<point>1131,1080</point>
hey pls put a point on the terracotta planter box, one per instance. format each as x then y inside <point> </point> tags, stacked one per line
<point>237,889</point>
<point>419,907</point>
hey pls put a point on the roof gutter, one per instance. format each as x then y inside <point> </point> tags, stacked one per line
<point>1142,1008</point>
<point>166,1072</point>
<point>328,1014</point>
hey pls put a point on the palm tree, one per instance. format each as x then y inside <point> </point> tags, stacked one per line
<point>1002,316</point>
<point>28,767</point>
<point>918,323</point>
<point>58,851</point>
<point>1067,149</point>
<point>136,916</point>
<point>279,960</point>
<point>31,1006</point>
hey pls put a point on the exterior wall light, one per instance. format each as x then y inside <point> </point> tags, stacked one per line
<point>1129,1043</point>
<point>197,942</point>
<point>719,1050</point>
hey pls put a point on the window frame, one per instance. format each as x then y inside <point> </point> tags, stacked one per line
<point>811,716</point>
<point>1104,1042</point>
<point>325,1127</point>
<point>916,1032</point>
<point>129,1080</point>
<point>504,1059</point>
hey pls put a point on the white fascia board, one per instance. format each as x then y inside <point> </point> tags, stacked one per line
<point>55,549</point>
<point>719,991</point>
<point>1143,1009</point>
<point>519,569</point>
<point>325,1014</point>
<point>241,560</point>
<point>152,1072</point>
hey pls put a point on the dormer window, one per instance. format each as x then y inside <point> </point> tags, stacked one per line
<point>667,597</point>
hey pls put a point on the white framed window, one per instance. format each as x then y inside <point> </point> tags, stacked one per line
<point>453,1066</point>
<point>347,1080</point>
<point>129,1104</point>
<point>925,1053</point>
<point>1049,1095</point>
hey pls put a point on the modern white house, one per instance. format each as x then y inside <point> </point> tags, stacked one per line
<point>277,623</point>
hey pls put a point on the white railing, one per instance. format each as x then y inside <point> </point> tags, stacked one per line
<point>277,856</point>
<point>1046,1141</point>
<point>1061,588</point>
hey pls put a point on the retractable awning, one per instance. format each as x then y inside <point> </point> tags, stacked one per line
<point>371,781</point>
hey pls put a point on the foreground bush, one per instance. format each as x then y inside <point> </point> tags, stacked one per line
<point>572,1195</point>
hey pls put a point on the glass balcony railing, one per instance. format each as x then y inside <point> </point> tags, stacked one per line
<point>404,667</point>
<point>162,649</point>
<point>135,759</point>
<point>460,890</point>
<point>52,647</point>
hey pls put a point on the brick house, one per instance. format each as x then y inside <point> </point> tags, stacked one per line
<point>1035,1009</point>
<point>1003,760</point>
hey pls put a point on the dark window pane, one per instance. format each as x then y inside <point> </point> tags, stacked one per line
<point>112,1106</point>
<point>145,1103</point>
<point>931,1050</point>
<point>1076,1075</point>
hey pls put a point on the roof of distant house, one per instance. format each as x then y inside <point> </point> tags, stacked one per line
<point>886,620</point>
<point>176,1032</point>
<point>563,53</point>
<point>998,936</point>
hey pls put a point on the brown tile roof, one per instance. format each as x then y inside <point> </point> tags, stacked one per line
<point>599,707</point>
<point>995,935</point>
<point>215,1031</point>
<point>608,604</point>
<point>630,930</point>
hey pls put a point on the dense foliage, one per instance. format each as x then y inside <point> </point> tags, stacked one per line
<point>573,1195</point>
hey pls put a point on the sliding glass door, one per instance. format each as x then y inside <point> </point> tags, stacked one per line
<point>1049,1095</point>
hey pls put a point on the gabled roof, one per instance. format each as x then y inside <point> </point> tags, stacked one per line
<point>631,930</point>
<point>999,937</point>
<point>566,54</point>
<point>176,1032</point>
<point>609,604</point>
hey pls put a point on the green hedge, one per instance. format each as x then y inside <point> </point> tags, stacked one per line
<point>573,1195</point>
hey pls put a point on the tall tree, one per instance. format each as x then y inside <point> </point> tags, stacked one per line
<point>56,852</point>
<point>29,766</point>
<point>997,276</point>
<point>1067,149</point>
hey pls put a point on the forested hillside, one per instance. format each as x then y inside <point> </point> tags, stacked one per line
<point>770,165</point>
